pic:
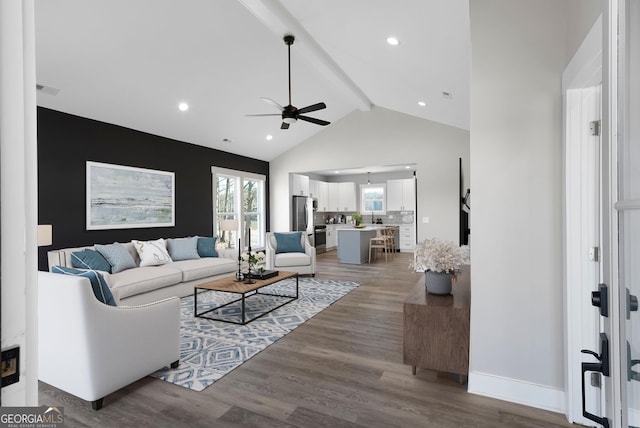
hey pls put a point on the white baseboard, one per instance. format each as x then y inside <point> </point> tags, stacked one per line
<point>517,391</point>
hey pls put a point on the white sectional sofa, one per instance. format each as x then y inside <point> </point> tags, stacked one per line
<point>146,284</point>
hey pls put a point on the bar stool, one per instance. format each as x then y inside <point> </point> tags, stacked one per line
<point>378,242</point>
<point>390,235</point>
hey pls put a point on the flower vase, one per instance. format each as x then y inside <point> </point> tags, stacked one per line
<point>248,279</point>
<point>438,282</point>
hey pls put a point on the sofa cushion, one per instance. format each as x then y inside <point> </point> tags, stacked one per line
<point>143,279</point>
<point>90,259</point>
<point>291,259</point>
<point>117,256</point>
<point>204,267</point>
<point>152,253</point>
<point>183,248</point>
<point>288,242</point>
<point>207,247</point>
<point>98,284</point>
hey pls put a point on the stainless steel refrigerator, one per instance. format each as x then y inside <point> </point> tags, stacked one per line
<point>302,215</point>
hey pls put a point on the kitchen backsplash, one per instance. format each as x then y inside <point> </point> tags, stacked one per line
<point>392,217</point>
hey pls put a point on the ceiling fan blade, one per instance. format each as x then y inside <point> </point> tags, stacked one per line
<point>314,120</point>
<point>266,114</point>
<point>309,109</point>
<point>284,125</point>
<point>273,103</point>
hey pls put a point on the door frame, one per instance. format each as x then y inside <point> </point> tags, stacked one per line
<point>611,325</point>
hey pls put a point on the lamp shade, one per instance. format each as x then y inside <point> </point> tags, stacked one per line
<point>44,235</point>
<point>228,225</point>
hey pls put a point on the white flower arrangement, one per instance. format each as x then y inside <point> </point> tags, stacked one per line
<point>439,256</point>
<point>253,258</point>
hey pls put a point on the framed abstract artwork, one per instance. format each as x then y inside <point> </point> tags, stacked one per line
<point>123,197</point>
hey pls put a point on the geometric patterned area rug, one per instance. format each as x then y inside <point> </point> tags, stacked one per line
<point>210,349</point>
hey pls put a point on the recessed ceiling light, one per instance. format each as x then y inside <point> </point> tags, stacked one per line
<point>336,172</point>
<point>422,104</point>
<point>407,167</point>
<point>393,41</point>
<point>183,106</point>
<point>269,137</point>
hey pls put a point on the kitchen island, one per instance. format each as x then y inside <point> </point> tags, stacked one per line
<point>353,244</point>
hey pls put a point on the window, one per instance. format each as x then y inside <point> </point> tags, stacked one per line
<point>239,196</point>
<point>373,199</point>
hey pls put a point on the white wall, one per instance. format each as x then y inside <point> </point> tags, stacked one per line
<point>383,137</point>
<point>519,50</point>
<point>18,190</point>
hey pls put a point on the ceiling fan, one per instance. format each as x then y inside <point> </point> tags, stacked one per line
<point>290,113</point>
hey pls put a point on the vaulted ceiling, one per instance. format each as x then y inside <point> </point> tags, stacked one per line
<point>131,62</point>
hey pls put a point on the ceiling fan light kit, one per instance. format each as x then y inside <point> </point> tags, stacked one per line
<point>290,113</point>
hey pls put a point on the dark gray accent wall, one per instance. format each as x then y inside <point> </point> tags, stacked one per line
<point>66,142</point>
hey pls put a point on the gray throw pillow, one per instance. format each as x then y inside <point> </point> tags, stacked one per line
<point>117,256</point>
<point>183,248</point>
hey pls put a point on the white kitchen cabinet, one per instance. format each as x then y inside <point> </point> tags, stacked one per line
<point>332,196</point>
<point>323,197</point>
<point>313,188</point>
<point>401,195</point>
<point>299,185</point>
<point>332,236</point>
<point>407,238</point>
<point>347,197</point>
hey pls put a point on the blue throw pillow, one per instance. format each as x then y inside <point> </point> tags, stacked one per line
<point>117,256</point>
<point>90,259</point>
<point>183,248</point>
<point>207,247</point>
<point>98,284</point>
<point>288,242</point>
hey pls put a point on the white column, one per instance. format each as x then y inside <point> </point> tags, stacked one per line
<point>18,193</point>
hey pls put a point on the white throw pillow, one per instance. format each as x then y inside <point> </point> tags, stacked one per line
<point>152,253</point>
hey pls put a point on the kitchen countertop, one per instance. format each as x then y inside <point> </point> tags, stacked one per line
<point>368,227</point>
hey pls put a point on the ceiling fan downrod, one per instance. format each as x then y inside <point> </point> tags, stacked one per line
<point>288,40</point>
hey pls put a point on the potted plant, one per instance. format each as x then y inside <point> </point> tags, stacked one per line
<point>357,218</point>
<point>439,260</point>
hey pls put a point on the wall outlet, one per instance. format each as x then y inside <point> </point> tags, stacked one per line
<point>10,366</point>
<point>425,219</point>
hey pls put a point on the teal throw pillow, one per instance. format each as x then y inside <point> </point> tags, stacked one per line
<point>183,248</point>
<point>207,247</point>
<point>90,259</point>
<point>117,256</point>
<point>98,284</point>
<point>288,242</point>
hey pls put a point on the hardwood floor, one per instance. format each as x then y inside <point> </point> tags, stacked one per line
<point>342,368</point>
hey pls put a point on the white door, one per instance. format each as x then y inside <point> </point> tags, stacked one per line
<point>628,209</point>
<point>581,84</point>
<point>583,205</point>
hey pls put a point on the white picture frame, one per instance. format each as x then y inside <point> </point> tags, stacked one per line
<point>124,197</point>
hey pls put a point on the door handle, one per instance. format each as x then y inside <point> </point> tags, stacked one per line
<point>601,367</point>
<point>631,374</point>
<point>632,303</point>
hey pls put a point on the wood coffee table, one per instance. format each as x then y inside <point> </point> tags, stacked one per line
<point>229,285</point>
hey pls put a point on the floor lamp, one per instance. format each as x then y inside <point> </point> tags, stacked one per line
<point>229,226</point>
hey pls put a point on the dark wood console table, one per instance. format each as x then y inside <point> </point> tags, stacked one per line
<point>436,328</point>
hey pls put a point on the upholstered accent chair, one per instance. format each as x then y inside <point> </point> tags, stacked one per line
<point>290,251</point>
<point>90,349</point>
